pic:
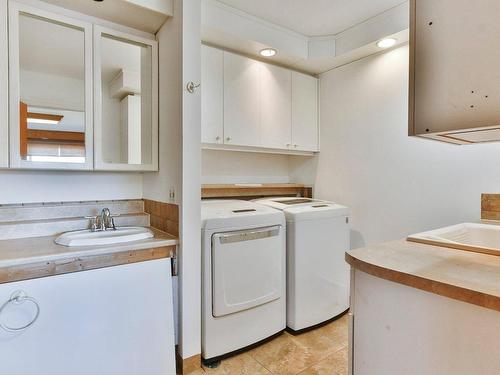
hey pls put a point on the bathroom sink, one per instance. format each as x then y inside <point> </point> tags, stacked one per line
<point>477,237</point>
<point>88,238</point>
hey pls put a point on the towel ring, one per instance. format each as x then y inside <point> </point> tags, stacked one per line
<point>18,298</point>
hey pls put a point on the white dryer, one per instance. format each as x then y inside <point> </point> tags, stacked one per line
<point>317,273</point>
<point>244,275</point>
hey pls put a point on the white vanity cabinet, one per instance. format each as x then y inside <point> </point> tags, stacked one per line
<point>252,105</point>
<point>212,95</point>
<point>4,98</point>
<point>113,321</point>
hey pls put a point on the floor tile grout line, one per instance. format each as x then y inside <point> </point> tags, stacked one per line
<point>321,360</point>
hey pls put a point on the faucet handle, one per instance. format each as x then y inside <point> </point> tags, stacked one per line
<point>112,220</point>
<point>93,222</point>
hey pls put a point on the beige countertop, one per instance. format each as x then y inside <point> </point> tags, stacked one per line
<point>27,258</point>
<point>462,275</point>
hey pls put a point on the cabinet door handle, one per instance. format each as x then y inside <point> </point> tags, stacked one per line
<point>288,145</point>
<point>217,138</point>
<point>228,139</point>
<point>295,146</point>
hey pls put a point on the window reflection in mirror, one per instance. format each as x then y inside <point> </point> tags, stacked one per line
<point>52,91</point>
<point>126,81</point>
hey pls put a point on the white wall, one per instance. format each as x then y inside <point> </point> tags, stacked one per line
<point>395,185</point>
<point>227,167</point>
<point>59,186</point>
<point>190,210</point>
<point>158,185</point>
<point>180,144</point>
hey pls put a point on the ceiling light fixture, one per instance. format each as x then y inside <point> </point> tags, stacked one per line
<point>386,43</point>
<point>268,52</point>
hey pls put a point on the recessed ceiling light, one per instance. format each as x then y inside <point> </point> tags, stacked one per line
<point>268,52</point>
<point>386,43</point>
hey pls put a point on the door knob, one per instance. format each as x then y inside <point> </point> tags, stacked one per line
<point>191,87</point>
<point>228,139</point>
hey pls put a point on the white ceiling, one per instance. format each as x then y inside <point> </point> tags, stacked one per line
<point>314,17</point>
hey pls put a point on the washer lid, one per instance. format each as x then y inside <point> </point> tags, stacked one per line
<point>284,202</point>
<point>237,213</point>
<point>315,210</point>
<point>304,208</point>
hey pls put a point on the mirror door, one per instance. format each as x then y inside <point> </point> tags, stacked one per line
<point>126,101</point>
<point>50,90</point>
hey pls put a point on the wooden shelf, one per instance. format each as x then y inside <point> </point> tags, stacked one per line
<point>251,191</point>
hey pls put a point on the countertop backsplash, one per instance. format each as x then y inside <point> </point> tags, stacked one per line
<point>51,218</point>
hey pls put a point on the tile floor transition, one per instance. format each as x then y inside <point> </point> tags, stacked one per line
<point>322,351</point>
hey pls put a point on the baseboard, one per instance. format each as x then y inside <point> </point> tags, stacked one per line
<point>185,366</point>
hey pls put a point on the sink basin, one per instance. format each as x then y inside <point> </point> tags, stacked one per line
<point>477,237</point>
<point>108,237</point>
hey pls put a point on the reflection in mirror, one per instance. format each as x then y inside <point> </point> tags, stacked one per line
<point>52,91</point>
<point>126,81</point>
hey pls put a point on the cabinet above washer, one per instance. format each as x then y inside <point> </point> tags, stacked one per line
<point>249,105</point>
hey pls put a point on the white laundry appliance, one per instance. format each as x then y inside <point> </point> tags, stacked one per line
<point>318,277</point>
<point>244,275</point>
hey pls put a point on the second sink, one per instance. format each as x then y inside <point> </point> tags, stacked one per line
<point>477,237</point>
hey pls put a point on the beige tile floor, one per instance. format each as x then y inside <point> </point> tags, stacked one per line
<point>322,351</point>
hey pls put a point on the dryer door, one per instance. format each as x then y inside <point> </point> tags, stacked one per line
<point>247,269</point>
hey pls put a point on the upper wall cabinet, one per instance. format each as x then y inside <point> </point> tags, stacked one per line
<point>50,89</point>
<point>305,131</point>
<point>251,105</point>
<point>212,73</point>
<point>81,96</point>
<point>241,101</point>
<point>275,107</point>
<point>126,97</point>
<point>454,75</point>
<point>4,88</point>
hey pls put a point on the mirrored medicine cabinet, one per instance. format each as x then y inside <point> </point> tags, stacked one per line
<point>81,96</point>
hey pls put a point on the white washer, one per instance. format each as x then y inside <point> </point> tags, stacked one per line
<point>317,273</point>
<point>244,275</point>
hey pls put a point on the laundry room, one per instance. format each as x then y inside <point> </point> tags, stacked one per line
<point>264,187</point>
<point>317,128</point>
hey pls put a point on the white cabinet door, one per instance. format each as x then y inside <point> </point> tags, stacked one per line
<point>113,321</point>
<point>241,101</point>
<point>276,107</point>
<point>305,134</point>
<point>212,95</point>
<point>4,113</point>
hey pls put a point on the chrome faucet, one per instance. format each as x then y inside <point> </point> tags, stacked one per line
<point>104,221</point>
<point>107,220</point>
